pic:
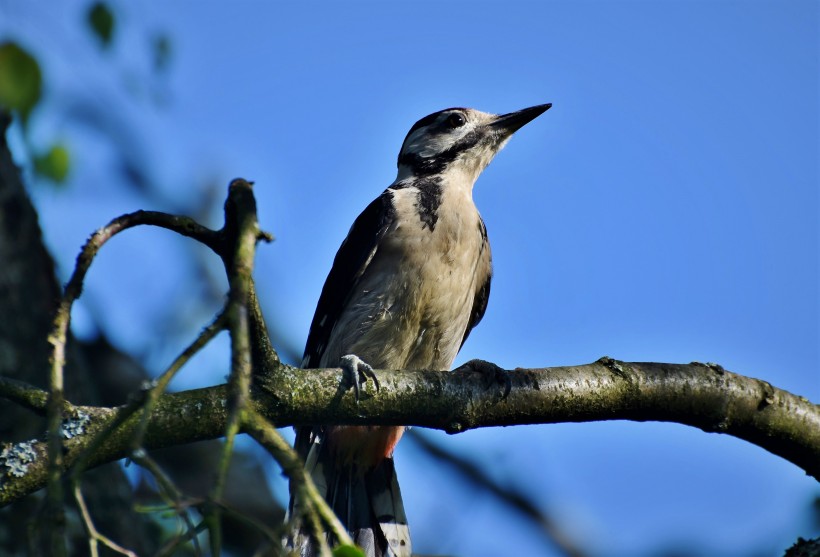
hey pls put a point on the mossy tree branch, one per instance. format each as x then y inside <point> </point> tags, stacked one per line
<point>698,395</point>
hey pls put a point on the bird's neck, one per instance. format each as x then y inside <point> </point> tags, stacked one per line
<point>441,203</point>
<point>454,177</point>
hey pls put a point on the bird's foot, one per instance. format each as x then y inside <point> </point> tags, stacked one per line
<point>355,372</point>
<point>490,373</point>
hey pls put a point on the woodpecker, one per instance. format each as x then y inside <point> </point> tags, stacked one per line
<point>407,286</point>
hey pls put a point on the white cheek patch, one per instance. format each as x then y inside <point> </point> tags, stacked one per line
<point>425,145</point>
<point>433,146</point>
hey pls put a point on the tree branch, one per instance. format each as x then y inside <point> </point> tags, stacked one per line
<point>699,395</point>
<point>242,228</point>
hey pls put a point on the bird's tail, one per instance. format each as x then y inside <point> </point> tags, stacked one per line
<point>368,503</point>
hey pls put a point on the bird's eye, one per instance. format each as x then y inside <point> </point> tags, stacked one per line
<point>456,120</point>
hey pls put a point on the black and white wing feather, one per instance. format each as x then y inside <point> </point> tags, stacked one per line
<point>350,263</point>
<point>482,294</point>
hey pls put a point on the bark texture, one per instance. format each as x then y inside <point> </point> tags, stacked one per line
<point>699,395</point>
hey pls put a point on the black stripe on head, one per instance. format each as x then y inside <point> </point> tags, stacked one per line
<point>427,166</point>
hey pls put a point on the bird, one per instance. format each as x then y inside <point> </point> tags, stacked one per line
<point>408,284</point>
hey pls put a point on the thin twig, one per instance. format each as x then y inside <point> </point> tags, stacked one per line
<point>171,546</point>
<point>161,383</point>
<point>273,537</point>
<point>146,400</point>
<point>168,491</point>
<point>309,498</point>
<point>55,509</point>
<point>94,537</point>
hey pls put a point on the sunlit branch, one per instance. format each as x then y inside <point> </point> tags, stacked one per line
<point>698,395</point>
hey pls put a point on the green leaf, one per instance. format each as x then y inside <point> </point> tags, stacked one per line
<point>347,551</point>
<point>54,164</point>
<point>20,79</point>
<point>101,21</point>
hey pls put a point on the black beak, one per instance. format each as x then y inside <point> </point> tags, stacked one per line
<point>510,123</point>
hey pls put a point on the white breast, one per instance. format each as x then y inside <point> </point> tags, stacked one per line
<point>413,304</point>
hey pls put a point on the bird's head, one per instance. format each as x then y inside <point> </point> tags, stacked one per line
<point>459,139</point>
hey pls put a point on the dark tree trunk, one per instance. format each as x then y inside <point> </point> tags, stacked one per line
<point>29,291</point>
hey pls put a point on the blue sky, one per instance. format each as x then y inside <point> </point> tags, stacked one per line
<point>665,209</point>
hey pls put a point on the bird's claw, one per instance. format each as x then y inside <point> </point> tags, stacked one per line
<point>355,372</point>
<point>491,373</point>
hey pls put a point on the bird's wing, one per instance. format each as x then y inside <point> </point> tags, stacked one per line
<point>352,259</point>
<point>482,293</point>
